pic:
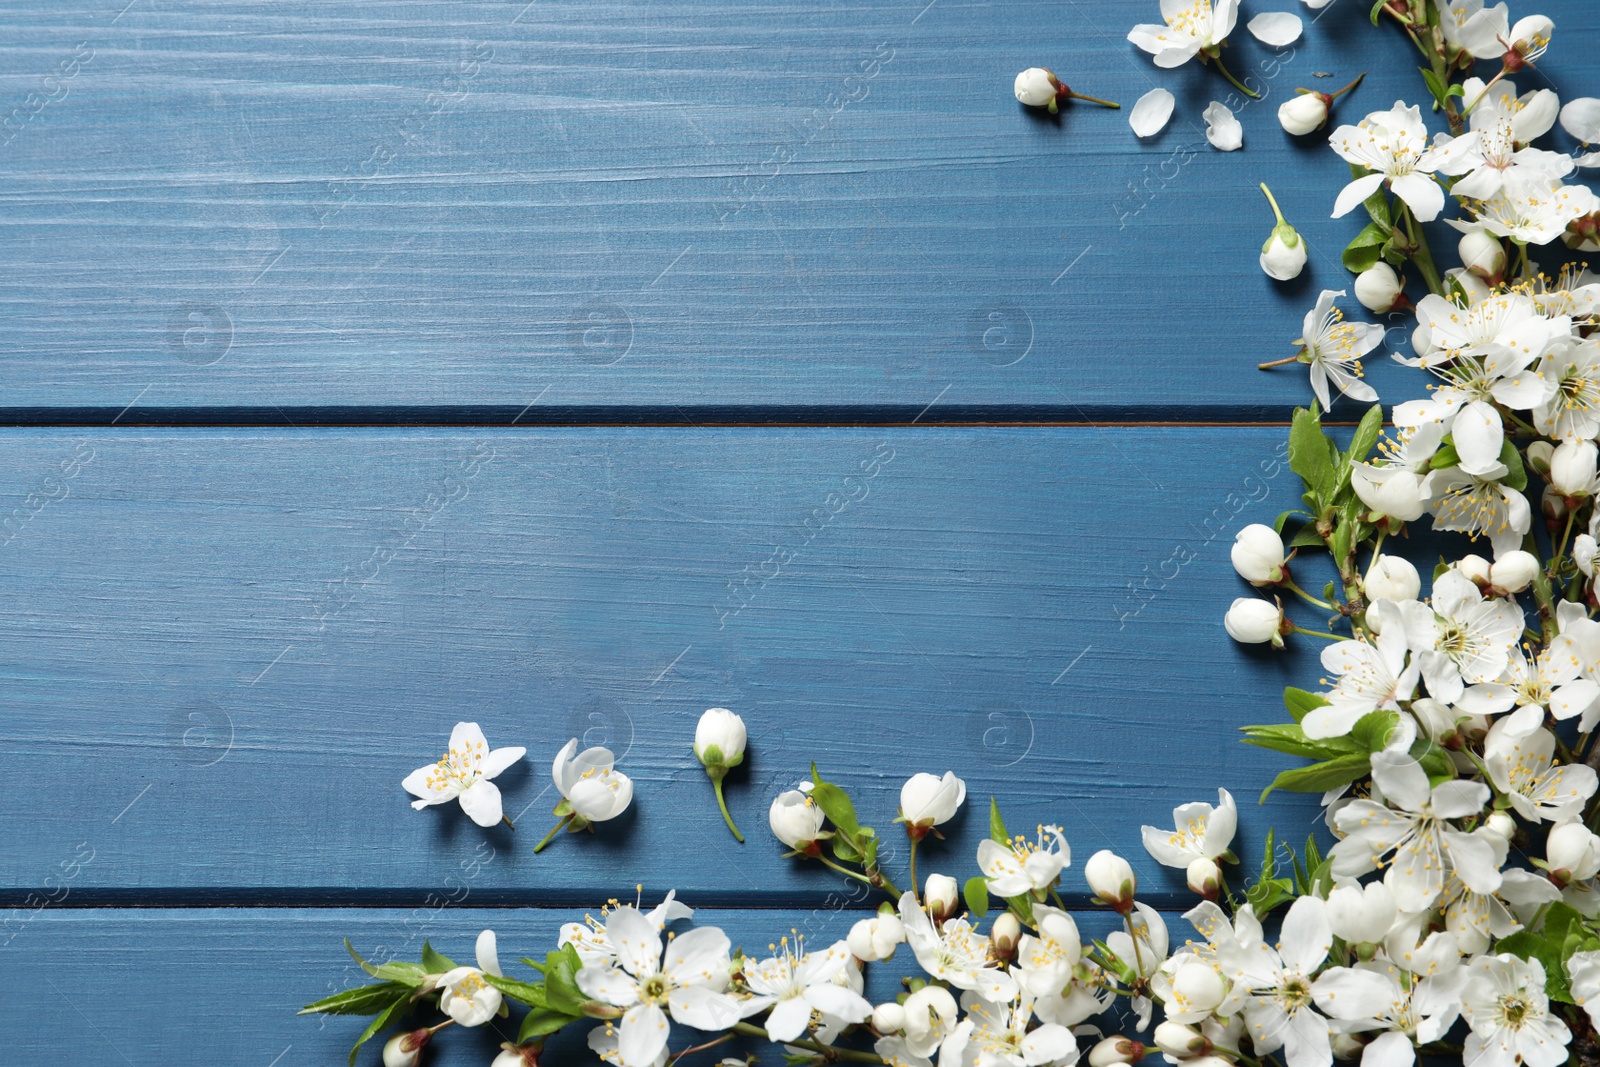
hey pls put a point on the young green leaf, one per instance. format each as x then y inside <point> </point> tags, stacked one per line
<point>1300,703</point>
<point>529,993</point>
<point>435,961</point>
<point>976,892</point>
<point>1291,740</point>
<point>376,1027</point>
<point>561,990</point>
<point>1321,777</point>
<point>1309,454</point>
<point>1365,250</point>
<point>1366,436</point>
<point>363,1000</point>
<point>835,804</point>
<point>997,825</point>
<point>541,1022</point>
<point>1372,730</point>
<point>1516,476</point>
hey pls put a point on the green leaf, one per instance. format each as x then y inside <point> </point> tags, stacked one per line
<point>869,855</point>
<point>561,990</point>
<point>1308,453</point>
<point>1377,204</point>
<point>1343,535</point>
<point>1516,477</point>
<point>363,1000</point>
<point>1307,537</point>
<point>543,1021</point>
<point>997,825</point>
<point>1446,456</point>
<point>1366,436</point>
<point>835,804</point>
<point>976,892</point>
<point>529,993</point>
<point>1283,519</point>
<point>1372,730</point>
<point>1364,251</point>
<point>844,851</point>
<point>1435,86</point>
<point>1299,702</point>
<point>434,961</point>
<point>1377,9</point>
<point>375,1027</point>
<point>1269,856</point>
<point>1321,777</point>
<point>1291,740</point>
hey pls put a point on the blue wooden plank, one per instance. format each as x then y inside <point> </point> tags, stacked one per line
<point>571,203</point>
<point>226,983</point>
<point>224,649</point>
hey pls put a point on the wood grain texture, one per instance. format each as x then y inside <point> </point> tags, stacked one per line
<point>227,982</point>
<point>576,204</point>
<point>224,649</point>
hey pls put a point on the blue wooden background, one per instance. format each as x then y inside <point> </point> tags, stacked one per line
<point>369,366</point>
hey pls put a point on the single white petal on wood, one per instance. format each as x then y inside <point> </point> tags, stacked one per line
<point>1152,113</point>
<point>1222,129</point>
<point>1277,28</point>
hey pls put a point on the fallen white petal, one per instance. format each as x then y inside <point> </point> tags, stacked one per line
<point>1277,28</point>
<point>1581,118</point>
<point>1588,159</point>
<point>1152,113</point>
<point>1222,129</point>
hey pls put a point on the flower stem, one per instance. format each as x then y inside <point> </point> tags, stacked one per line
<point>553,831</point>
<point>1279,362</point>
<point>1420,253</point>
<point>914,894</point>
<point>1093,99</point>
<point>826,862</point>
<point>723,804</point>
<point>700,1048</point>
<point>1307,597</point>
<point>1347,88</point>
<point>846,1054</point>
<point>1226,73</point>
<point>1273,201</point>
<point>1314,633</point>
<point>1138,956</point>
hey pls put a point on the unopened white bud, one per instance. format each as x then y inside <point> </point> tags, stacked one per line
<point>1539,455</point>
<point>1501,824</point>
<point>1572,469</point>
<point>1303,113</point>
<point>1584,551</point>
<point>1114,1050</point>
<point>1514,571</point>
<point>889,1018</point>
<point>719,739</point>
<point>512,1056</point>
<point>1254,622</point>
<point>1483,255</point>
<point>1197,985</point>
<point>941,894</point>
<point>1112,879</point>
<point>1005,933</point>
<point>1573,851</point>
<point>1205,877</point>
<point>405,1050</point>
<point>1258,554</point>
<point>1379,288</point>
<point>1284,254</point>
<point>1180,1041</point>
<point>1035,87</point>
<point>1346,1046</point>
<point>876,938</point>
<point>1474,568</point>
<point>1393,578</point>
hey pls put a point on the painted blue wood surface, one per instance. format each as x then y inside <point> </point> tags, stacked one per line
<point>226,983</point>
<point>224,649</point>
<point>569,204</point>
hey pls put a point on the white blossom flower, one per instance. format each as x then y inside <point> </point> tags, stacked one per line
<point>1202,832</point>
<point>930,1015</point>
<point>1505,1005</point>
<point>688,983</point>
<point>463,773</point>
<point>1524,769</point>
<point>1583,968</point>
<point>1414,826</point>
<point>1580,117</point>
<point>593,789</point>
<point>1047,958</point>
<point>1462,637</point>
<point>998,1034</point>
<point>1190,26</point>
<point>928,800</point>
<point>1551,684</point>
<point>1022,866</point>
<point>464,995</point>
<point>955,952</point>
<point>1373,675</point>
<point>794,983</point>
<point>1530,207</point>
<point>603,1042</point>
<point>1334,347</point>
<point>1572,410</point>
<point>1393,145</point>
<point>1478,505</point>
<point>589,939</point>
<point>1496,145</point>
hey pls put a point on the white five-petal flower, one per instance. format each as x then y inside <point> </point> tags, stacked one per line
<point>463,774</point>
<point>1393,145</point>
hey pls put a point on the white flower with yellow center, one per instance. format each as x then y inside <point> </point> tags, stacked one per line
<point>1572,411</point>
<point>794,983</point>
<point>954,953</point>
<point>1188,28</point>
<point>590,783</point>
<point>463,774</point>
<point>589,938</point>
<point>1201,832</point>
<point>464,995</point>
<point>1463,637</point>
<point>1333,348</point>
<point>997,1034</point>
<point>1502,124</point>
<point>1047,958</point>
<point>1505,1005</point>
<point>1525,770</point>
<point>1021,866</point>
<point>1531,208</point>
<point>1393,145</point>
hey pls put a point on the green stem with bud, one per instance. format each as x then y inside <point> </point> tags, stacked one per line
<point>716,783</point>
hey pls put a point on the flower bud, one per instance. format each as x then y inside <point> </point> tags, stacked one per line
<point>1379,288</point>
<point>941,895</point>
<point>517,1056</point>
<point>1583,233</point>
<point>1346,1047</point>
<point>1573,853</point>
<point>1483,255</point>
<point>1254,622</point>
<point>1553,506</point>
<point>1112,880</point>
<point>1539,456</point>
<point>1304,113</point>
<point>1283,256</point>
<point>1362,915</point>
<point>1514,571</point>
<point>1474,568</point>
<point>795,820</point>
<point>1584,550</point>
<point>1393,578</point>
<point>1258,555</point>
<point>1004,935</point>
<point>405,1050</point>
<point>876,938</point>
<point>1180,1041</point>
<point>1115,1050</point>
<point>719,740</point>
<point>1205,877</point>
<point>889,1018</point>
<point>1572,469</point>
<point>1501,824</point>
<point>1198,986</point>
<point>1036,87</point>
<point>927,800</point>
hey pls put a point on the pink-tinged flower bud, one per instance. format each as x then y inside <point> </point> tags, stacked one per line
<point>889,1018</point>
<point>1112,880</point>
<point>1393,578</point>
<point>1483,255</point>
<point>1004,935</point>
<point>1514,571</point>
<point>405,1050</point>
<point>1573,853</point>
<point>517,1056</point>
<point>1180,1041</point>
<point>942,896</point>
<point>1115,1050</point>
<point>1381,289</point>
<point>1304,113</point>
<point>1205,877</point>
<point>1258,555</point>
<point>1255,622</point>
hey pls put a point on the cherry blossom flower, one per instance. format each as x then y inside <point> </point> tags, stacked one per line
<point>997,1034</point>
<point>1188,28</point>
<point>688,983</point>
<point>1334,348</point>
<point>1202,832</point>
<point>1462,637</point>
<point>955,952</point>
<point>588,781</point>
<point>1478,505</point>
<point>463,773</point>
<point>1373,675</point>
<point>464,995</point>
<point>1524,769</point>
<point>1047,958</point>
<point>1393,145</point>
<point>1496,145</point>
<point>927,800</point>
<point>1531,208</point>
<point>1505,1005</point>
<point>589,938</point>
<point>794,983</point>
<point>1021,866</point>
